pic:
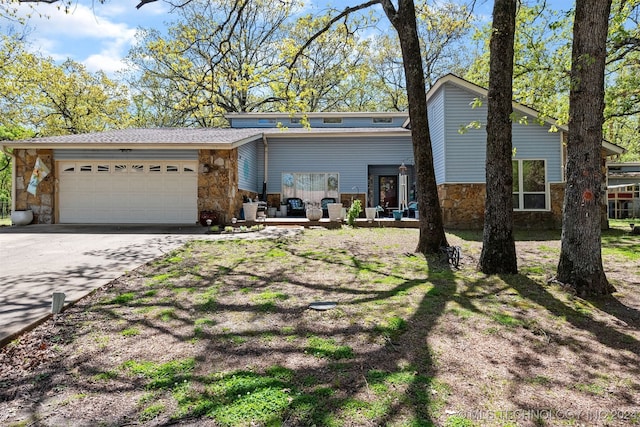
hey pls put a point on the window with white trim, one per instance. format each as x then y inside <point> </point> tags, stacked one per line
<point>529,185</point>
<point>310,186</point>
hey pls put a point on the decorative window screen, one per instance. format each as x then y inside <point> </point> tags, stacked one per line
<point>310,186</point>
<point>529,185</point>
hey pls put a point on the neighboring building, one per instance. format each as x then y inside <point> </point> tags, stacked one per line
<point>623,190</point>
<point>171,175</point>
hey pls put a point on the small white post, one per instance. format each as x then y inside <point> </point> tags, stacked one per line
<point>58,302</point>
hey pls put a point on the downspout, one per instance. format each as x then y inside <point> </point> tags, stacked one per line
<point>13,177</point>
<point>266,164</point>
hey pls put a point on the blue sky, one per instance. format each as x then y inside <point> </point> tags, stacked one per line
<point>94,34</point>
<point>100,35</point>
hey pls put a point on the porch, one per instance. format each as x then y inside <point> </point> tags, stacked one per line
<point>326,223</point>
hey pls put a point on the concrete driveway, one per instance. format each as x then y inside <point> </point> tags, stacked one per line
<point>38,260</point>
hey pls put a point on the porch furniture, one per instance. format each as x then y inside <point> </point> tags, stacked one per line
<point>323,204</point>
<point>295,207</point>
<point>411,210</point>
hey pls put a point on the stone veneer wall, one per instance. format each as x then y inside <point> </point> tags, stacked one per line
<point>42,203</point>
<point>462,205</point>
<point>463,208</point>
<point>218,188</point>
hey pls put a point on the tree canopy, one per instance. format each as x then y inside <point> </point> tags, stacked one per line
<point>543,61</point>
<point>48,98</point>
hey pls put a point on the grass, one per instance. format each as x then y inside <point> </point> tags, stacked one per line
<point>410,343</point>
<point>328,348</point>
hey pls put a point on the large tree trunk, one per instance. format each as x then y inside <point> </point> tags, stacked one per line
<point>432,235</point>
<point>580,262</point>
<point>498,247</point>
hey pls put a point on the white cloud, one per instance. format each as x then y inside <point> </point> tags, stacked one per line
<point>98,36</point>
<point>106,62</point>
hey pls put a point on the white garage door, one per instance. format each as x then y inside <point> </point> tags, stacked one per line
<point>120,192</point>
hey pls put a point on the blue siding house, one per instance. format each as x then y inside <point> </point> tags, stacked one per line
<point>176,175</point>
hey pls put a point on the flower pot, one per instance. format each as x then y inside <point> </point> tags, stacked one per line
<point>314,214</point>
<point>208,215</point>
<point>22,217</point>
<point>370,213</point>
<point>250,211</point>
<point>397,215</point>
<point>335,211</point>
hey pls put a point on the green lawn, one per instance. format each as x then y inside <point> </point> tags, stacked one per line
<point>220,333</point>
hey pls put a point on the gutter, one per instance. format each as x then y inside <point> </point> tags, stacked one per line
<point>266,163</point>
<point>13,177</point>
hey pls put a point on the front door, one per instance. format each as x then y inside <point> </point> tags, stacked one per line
<point>388,185</point>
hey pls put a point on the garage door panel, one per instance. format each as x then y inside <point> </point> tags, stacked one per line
<point>128,192</point>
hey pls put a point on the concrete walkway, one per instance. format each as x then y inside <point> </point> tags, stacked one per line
<point>38,260</point>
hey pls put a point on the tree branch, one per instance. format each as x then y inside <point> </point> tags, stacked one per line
<point>143,2</point>
<point>326,28</point>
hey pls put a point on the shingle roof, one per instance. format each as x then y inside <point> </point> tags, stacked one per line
<point>152,136</point>
<point>188,137</point>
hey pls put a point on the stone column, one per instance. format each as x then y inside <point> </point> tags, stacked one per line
<point>42,203</point>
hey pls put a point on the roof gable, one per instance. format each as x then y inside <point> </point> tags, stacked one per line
<point>480,92</point>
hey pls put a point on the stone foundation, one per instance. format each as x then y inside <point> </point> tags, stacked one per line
<point>463,208</point>
<point>42,204</point>
<point>462,205</point>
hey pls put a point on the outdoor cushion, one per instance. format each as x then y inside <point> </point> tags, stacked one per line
<point>295,206</point>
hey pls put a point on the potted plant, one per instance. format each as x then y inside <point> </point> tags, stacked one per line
<point>313,212</point>
<point>354,212</point>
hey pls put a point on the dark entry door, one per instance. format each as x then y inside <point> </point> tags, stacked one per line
<point>388,185</point>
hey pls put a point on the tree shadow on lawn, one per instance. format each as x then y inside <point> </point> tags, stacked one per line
<point>348,371</point>
<point>617,358</point>
<point>600,330</point>
<point>387,383</point>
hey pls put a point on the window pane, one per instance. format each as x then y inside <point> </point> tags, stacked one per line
<point>516,175</point>
<point>533,177</point>
<point>288,189</point>
<point>534,201</point>
<point>310,186</point>
<point>516,201</point>
<point>333,185</point>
